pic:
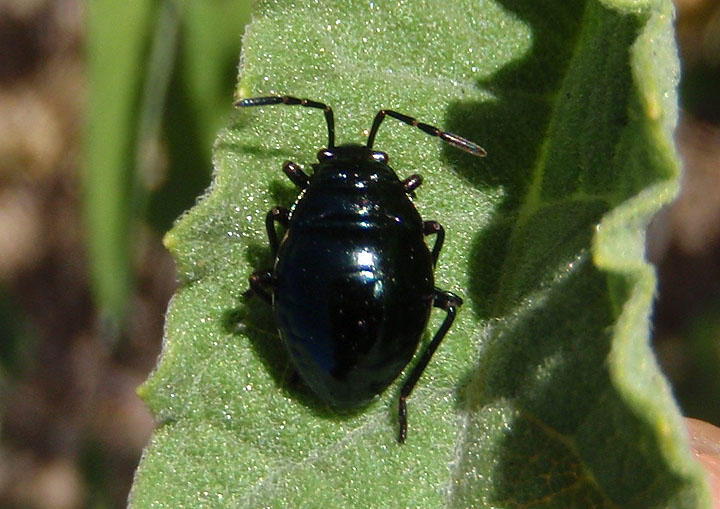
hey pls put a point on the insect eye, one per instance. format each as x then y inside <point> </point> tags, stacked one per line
<point>380,157</point>
<point>325,154</point>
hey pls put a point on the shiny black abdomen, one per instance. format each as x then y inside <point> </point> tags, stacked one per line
<point>353,282</point>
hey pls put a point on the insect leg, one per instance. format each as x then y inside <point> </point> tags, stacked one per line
<point>294,173</point>
<point>450,303</point>
<point>412,182</point>
<point>260,283</point>
<point>433,227</point>
<point>281,215</point>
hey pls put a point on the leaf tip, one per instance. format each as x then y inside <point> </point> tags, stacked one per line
<point>142,391</point>
<point>241,93</point>
<point>170,241</point>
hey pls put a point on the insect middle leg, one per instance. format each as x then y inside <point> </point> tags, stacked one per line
<point>280,215</point>
<point>435,228</point>
<point>450,303</point>
<point>261,281</point>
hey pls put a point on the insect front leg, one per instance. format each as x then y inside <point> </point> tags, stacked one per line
<point>295,173</point>
<point>450,303</point>
<point>412,182</point>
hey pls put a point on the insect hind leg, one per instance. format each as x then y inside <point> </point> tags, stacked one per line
<point>450,303</point>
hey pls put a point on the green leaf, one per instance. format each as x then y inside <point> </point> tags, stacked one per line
<point>134,79</point>
<point>115,53</point>
<point>545,392</point>
<point>198,100</point>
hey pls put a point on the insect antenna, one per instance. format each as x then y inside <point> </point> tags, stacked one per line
<point>294,101</point>
<point>452,139</point>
